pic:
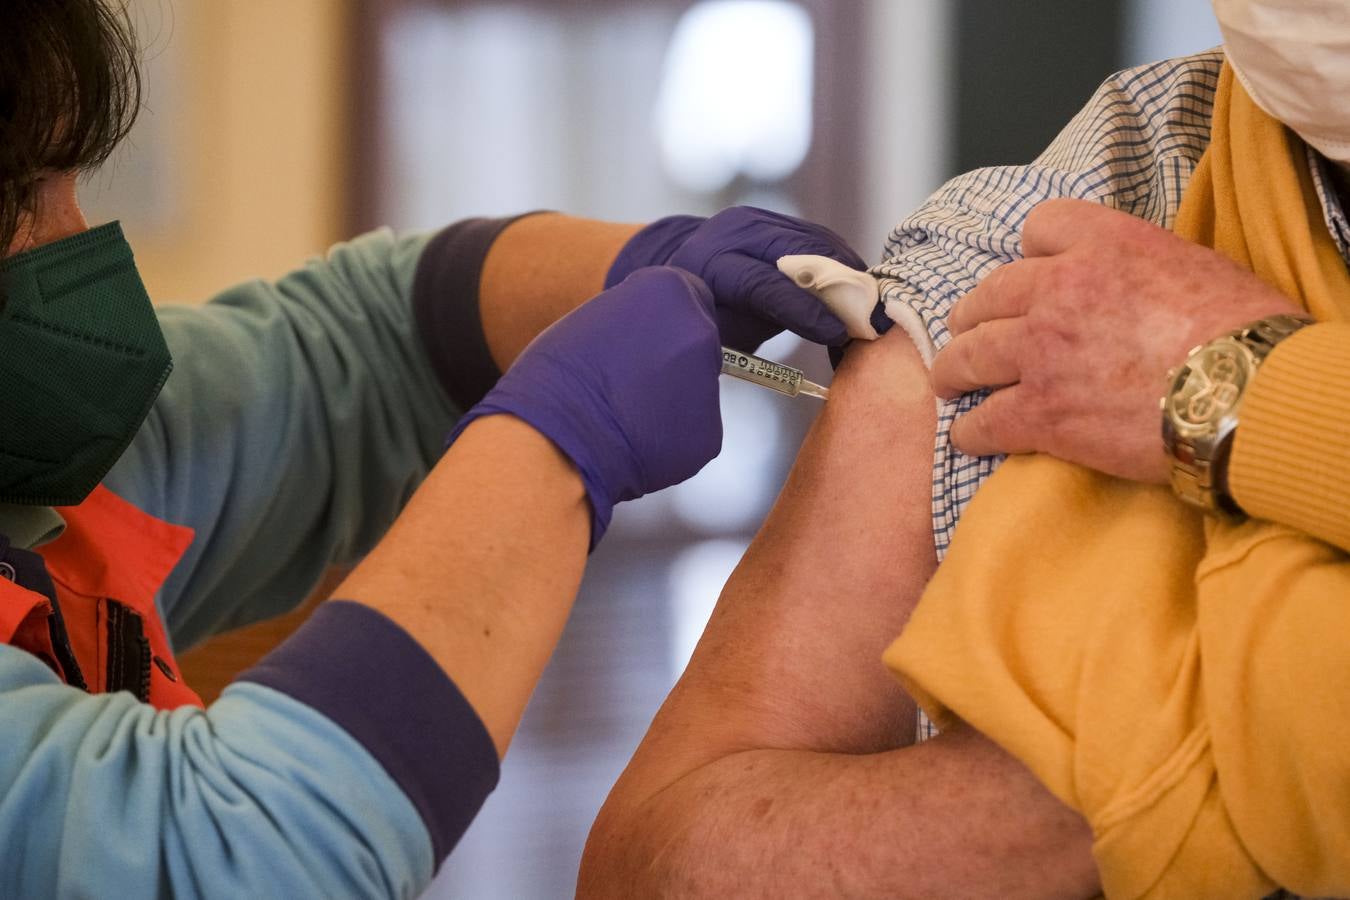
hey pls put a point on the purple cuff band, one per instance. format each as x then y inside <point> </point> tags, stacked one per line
<point>360,669</point>
<point>445,306</point>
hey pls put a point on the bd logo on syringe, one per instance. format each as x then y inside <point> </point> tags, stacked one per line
<point>736,359</point>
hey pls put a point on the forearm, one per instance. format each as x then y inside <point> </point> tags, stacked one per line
<point>539,269</point>
<point>953,817</point>
<point>483,565</point>
<point>431,655</point>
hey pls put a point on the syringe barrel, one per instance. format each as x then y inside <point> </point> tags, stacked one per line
<point>764,372</point>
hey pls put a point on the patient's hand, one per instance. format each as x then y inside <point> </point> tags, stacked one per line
<point>1077,338</point>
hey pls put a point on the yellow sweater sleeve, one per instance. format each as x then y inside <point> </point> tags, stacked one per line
<point>1181,682</point>
<point>1291,456</point>
<point>1272,622</point>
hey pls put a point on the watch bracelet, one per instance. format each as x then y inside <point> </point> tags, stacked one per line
<point>1206,486</point>
<point>1271,330</point>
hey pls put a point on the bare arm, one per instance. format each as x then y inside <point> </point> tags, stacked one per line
<point>538,270</point>
<point>483,564</point>
<point>464,569</point>
<point>778,764</point>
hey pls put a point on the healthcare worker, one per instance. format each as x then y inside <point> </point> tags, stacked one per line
<point>166,474</point>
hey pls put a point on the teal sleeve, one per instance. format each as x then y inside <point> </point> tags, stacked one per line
<point>257,796</point>
<point>300,416</point>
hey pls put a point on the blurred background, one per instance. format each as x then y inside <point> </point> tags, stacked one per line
<point>272,130</point>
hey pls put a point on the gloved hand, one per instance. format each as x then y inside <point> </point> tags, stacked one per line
<point>625,386</point>
<point>736,254</point>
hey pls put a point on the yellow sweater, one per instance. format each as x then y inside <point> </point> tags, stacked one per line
<point>1183,682</point>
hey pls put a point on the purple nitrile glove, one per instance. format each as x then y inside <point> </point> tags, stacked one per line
<point>736,254</point>
<point>625,386</point>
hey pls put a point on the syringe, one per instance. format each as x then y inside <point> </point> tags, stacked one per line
<point>769,374</point>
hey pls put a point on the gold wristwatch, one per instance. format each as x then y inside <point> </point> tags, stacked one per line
<point>1200,409</point>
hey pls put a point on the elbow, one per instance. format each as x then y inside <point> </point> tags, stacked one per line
<point>610,854</point>
<point>622,856</point>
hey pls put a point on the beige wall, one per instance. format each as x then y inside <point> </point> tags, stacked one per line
<point>237,169</point>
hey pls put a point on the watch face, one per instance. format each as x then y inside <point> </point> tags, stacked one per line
<point>1209,384</point>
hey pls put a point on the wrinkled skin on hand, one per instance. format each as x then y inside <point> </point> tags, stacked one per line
<point>1076,340</point>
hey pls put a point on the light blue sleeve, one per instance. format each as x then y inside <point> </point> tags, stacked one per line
<point>258,796</point>
<point>299,418</point>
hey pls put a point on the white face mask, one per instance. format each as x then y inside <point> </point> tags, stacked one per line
<point>1293,57</point>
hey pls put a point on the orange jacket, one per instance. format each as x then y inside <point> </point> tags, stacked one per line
<point>102,630</point>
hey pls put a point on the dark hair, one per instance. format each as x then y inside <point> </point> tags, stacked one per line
<point>70,89</point>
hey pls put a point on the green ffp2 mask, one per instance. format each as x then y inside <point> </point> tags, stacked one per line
<point>82,359</point>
